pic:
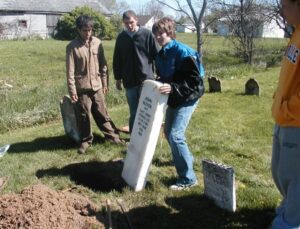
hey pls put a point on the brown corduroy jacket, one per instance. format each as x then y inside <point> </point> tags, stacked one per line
<point>86,66</point>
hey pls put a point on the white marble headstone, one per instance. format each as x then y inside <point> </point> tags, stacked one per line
<point>144,136</point>
<point>69,118</point>
<point>219,184</point>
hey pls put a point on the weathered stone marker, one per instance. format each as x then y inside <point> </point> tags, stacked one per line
<point>144,136</point>
<point>219,184</point>
<point>214,84</point>
<point>69,118</point>
<point>252,87</point>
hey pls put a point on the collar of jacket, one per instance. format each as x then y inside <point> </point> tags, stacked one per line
<point>84,42</point>
<point>168,46</point>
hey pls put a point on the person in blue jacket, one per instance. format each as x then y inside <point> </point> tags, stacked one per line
<point>179,68</point>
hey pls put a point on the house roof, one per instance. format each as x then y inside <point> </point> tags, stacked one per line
<point>57,6</point>
<point>142,19</point>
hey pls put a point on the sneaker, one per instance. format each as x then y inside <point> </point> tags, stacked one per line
<point>180,186</point>
<point>83,147</point>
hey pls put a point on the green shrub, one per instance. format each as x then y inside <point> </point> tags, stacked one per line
<point>66,26</point>
<point>116,21</point>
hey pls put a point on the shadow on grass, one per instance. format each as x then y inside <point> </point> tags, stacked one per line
<point>62,142</point>
<point>95,175</point>
<point>244,94</point>
<point>197,211</point>
<point>160,163</point>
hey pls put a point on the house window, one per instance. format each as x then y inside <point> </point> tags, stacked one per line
<point>23,23</point>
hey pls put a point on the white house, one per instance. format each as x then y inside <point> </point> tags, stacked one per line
<point>223,27</point>
<point>27,18</point>
<point>268,29</point>
<point>185,28</point>
<point>272,30</point>
<point>146,21</point>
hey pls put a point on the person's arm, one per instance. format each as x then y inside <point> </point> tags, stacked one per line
<point>70,69</point>
<point>153,47</point>
<point>290,108</point>
<point>103,69</point>
<point>187,83</point>
<point>117,64</point>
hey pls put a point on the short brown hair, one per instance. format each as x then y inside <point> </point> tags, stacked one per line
<point>129,14</point>
<point>165,25</point>
<point>84,21</point>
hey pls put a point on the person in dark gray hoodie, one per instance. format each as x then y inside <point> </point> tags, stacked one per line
<point>133,60</point>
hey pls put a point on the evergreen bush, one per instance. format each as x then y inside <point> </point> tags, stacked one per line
<point>66,26</point>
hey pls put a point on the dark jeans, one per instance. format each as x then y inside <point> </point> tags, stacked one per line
<point>133,95</point>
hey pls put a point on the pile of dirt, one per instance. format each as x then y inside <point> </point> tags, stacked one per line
<point>41,207</point>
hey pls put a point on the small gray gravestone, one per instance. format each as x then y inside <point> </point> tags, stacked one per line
<point>219,184</point>
<point>214,84</point>
<point>68,114</point>
<point>252,87</point>
<point>144,136</point>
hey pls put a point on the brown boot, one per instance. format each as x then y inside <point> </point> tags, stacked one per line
<point>117,141</point>
<point>83,147</point>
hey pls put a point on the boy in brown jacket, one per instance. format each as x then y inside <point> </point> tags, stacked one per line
<point>87,81</point>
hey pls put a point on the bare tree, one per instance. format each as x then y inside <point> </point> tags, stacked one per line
<point>274,14</point>
<point>114,6</point>
<point>211,19</point>
<point>154,9</point>
<point>245,20</point>
<point>2,28</point>
<point>194,11</point>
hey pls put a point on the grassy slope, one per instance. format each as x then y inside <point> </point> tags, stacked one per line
<point>227,127</point>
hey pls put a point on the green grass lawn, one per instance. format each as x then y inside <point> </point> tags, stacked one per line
<point>227,127</point>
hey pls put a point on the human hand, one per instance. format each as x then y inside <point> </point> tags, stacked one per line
<point>119,84</point>
<point>74,98</point>
<point>105,90</point>
<point>165,88</point>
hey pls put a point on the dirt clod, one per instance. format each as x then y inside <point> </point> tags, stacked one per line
<point>41,207</point>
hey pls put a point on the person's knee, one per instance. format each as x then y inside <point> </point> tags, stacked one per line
<point>175,137</point>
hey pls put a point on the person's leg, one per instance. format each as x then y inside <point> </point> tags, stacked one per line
<point>176,123</point>
<point>132,96</point>
<point>102,118</point>
<point>288,178</point>
<point>275,163</point>
<point>83,117</point>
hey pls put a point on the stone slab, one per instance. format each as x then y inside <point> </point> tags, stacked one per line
<point>252,87</point>
<point>69,118</point>
<point>219,184</point>
<point>144,136</point>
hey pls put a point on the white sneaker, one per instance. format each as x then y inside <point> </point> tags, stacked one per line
<point>179,186</point>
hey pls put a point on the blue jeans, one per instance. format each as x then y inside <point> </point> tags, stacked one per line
<point>132,95</point>
<point>286,174</point>
<point>176,122</point>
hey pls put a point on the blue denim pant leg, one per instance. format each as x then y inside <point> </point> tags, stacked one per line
<point>132,95</point>
<point>176,122</point>
<point>286,175</point>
